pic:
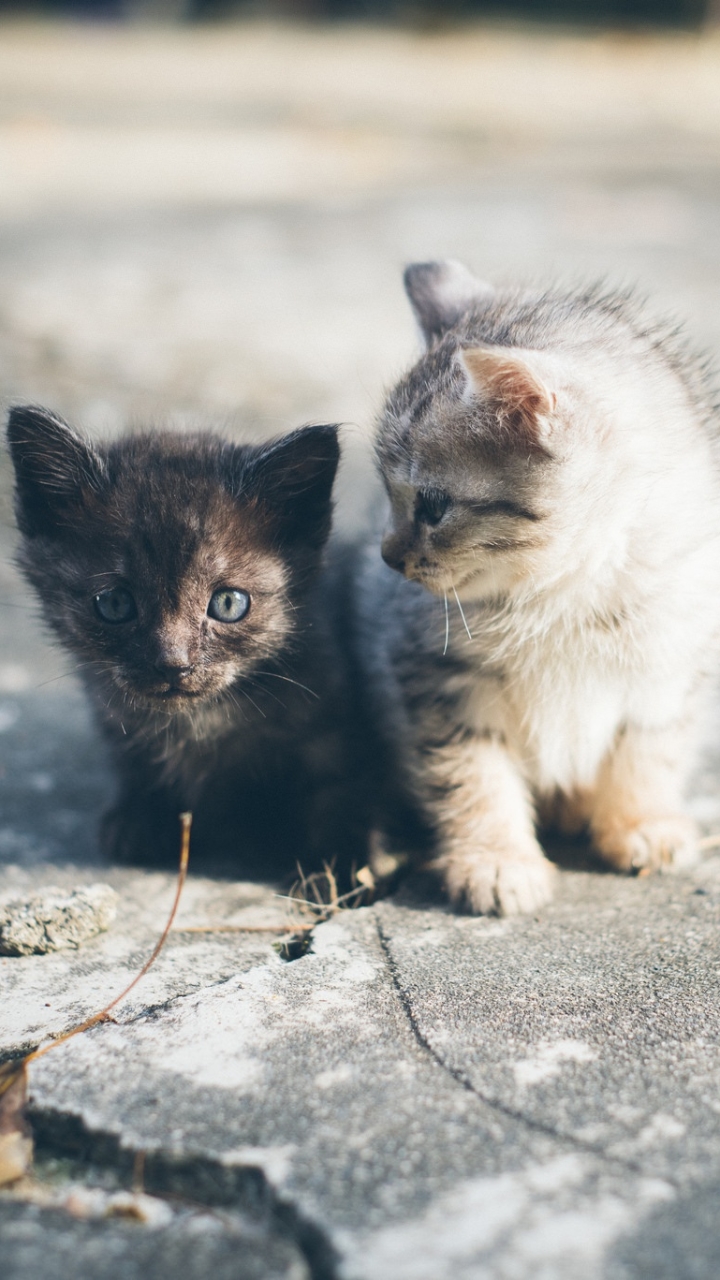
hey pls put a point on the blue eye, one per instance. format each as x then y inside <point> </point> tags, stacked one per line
<point>228,605</point>
<point>115,605</point>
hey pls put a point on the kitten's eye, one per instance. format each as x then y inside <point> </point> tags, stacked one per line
<point>228,605</point>
<point>431,505</point>
<point>115,605</point>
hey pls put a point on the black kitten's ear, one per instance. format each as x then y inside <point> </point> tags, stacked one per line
<point>54,469</point>
<point>440,293</point>
<point>293,477</point>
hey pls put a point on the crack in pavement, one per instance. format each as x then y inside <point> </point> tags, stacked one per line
<point>193,1178</point>
<point>152,1010</point>
<point>190,1180</point>
<point>464,1080</point>
<point>148,1011</point>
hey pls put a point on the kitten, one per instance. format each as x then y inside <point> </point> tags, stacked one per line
<point>552,472</point>
<point>184,574</point>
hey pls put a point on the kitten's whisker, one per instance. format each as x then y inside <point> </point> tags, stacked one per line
<point>63,674</point>
<point>53,679</point>
<point>236,703</point>
<point>254,684</point>
<point>245,694</point>
<point>275,676</point>
<point>462,615</point>
<point>290,603</point>
<point>447,623</point>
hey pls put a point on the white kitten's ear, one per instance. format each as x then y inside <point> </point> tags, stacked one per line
<point>506,377</point>
<point>440,293</point>
<point>55,469</point>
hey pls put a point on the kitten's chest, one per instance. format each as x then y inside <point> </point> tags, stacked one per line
<point>225,741</point>
<point>557,703</point>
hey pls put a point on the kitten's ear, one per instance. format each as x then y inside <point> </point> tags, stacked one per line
<point>294,476</point>
<point>54,469</point>
<point>506,377</point>
<point>440,293</point>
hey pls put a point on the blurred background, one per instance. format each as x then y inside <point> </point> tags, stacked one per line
<point>205,209</point>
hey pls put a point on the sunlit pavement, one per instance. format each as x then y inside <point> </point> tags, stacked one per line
<point>208,226</point>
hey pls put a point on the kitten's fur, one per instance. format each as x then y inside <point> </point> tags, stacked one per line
<point>550,459</point>
<point>243,722</point>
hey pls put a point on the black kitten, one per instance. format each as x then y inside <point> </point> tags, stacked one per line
<point>185,575</point>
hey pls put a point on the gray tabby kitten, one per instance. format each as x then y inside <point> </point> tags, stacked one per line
<point>552,475</point>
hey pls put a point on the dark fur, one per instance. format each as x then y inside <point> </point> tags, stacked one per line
<point>246,724</point>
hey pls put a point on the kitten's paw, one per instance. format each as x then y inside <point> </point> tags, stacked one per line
<point>656,844</point>
<point>499,884</point>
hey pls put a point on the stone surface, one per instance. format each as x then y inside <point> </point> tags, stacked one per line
<point>55,921</point>
<point>209,226</point>
<point>194,1245</point>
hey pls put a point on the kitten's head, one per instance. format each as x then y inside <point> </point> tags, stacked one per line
<point>172,565</point>
<point>468,447</point>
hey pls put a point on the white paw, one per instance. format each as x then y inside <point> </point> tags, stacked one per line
<point>499,884</point>
<point>656,844</point>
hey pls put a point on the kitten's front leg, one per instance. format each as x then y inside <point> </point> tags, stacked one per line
<point>488,855</point>
<point>638,821</point>
<point>141,828</point>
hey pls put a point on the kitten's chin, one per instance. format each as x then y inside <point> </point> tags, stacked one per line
<point>180,696</point>
<point>491,582</point>
<point>437,585</point>
<point>444,584</point>
<point>179,701</point>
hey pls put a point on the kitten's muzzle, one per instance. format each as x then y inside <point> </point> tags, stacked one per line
<point>393,552</point>
<point>398,555</point>
<point>176,680</point>
<point>175,675</point>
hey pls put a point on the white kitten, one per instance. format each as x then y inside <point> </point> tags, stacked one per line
<point>551,465</point>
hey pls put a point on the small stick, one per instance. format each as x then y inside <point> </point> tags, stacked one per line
<point>186,823</point>
<point>332,883</point>
<point>13,1074</point>
<point>138,1178</point>
<point>241,928</point>
<point>322,907</point>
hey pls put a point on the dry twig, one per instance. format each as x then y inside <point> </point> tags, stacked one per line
<point>15,1138</point>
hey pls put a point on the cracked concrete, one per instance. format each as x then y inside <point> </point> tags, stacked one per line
<point>408,1134</point>
<point>210,226</point>
<point>194,1245</point>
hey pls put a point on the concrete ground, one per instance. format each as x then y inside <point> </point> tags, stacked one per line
<point>209,226</point>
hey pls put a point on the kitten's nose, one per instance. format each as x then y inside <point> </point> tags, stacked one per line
<point>392,556</point>
<point>174,672</point>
